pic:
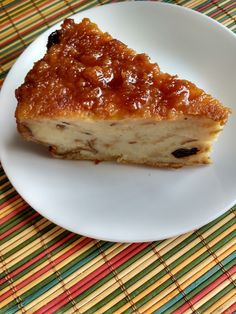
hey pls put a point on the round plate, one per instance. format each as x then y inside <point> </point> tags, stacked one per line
<point>133,203</point>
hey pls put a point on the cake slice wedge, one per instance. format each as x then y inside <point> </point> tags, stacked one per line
<point>91,97</point>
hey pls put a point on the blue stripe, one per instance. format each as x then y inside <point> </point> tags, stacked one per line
<point>196,283</point>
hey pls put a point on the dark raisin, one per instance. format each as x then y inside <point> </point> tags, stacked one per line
<point>185,152</point>
<point>60,126</point>
<point>132,142</point>
<point>53,39</point>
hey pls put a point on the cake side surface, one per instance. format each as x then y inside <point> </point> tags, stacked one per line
<point>175,143</point>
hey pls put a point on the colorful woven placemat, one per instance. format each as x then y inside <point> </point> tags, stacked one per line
<point>46,269</point>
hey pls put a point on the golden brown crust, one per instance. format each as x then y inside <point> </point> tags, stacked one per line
<point>90,74</point>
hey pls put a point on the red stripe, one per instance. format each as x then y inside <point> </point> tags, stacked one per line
<point>38,257</point>
<point>11,6</point>
<point>33,27</point>
<point>92,278</point>
<point>204,6</point>
<point>13,55</point>
<point>205,291</point>
<point>18,226</point>
<point>231,309</point>
<point>40,6</point>
<point>20,16</point>
<point>73,6</point>
<point>46,268</point>
<point>8,202</point>
<point>222,12</point>
<point>14,213</point>
<point>40,23</point>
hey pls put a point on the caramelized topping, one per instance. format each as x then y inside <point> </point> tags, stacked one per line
<point>88,72</point>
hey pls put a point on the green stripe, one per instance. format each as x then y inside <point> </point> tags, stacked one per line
<point>13,13</point>
<point>42,249</point>
<point>101,282</point>
<point>43,27</point>
<point>16,12</point>
<point>10,4</point>
<point>220,230</point>
<point>32,14</point>
<point>177,276</point>
<point>209,281</point>
<point>41,260</point>
<point>20,217</point>
<point>8,197</point>
<point>214,222</point>
<point>3,181</point>
<point>52,280</point>
<point>18,49</point>
<point>141,274</point>
<point>162,273</point>
<point>6,188</point>
<point>29,240</point>
<point>204,281</point>
<point>2,77</point>
<point>18,231</point>
<point>216,298</point>
<point>23,244</point>
<point>52,22</point>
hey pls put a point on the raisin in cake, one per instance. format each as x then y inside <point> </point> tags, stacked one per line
<point>91,97</point>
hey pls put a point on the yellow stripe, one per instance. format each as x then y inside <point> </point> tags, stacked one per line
<point>5,184</point>
<point>25,235</point>
<point>150,275</point>
<point>21,27</point>
<point>192,4</point>
<point>30,230</point>
<point>129,272</point>
<point>175,270</point>
<point>25,4</point>
<point>31,247</point>
<point>78,275</point>
<point>220,223</point>
<point>153,273</point>
<point>3,177</point>
<point>11,207</point>
<point>7,193</point>
<point>220,305</point>
<point>44,264</point>
<point>187,279</point>
<point>226,304</point>
<point>42,277</point>
<point>211,294</point>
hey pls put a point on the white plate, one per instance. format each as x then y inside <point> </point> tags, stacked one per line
<point>130,203</point>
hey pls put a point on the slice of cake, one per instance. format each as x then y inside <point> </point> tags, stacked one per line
<point>91,97</point>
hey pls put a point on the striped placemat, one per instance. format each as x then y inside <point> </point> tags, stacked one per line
<point>46,269</point>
